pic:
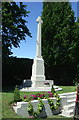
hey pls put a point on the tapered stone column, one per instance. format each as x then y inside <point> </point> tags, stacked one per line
<point>38,74</point>
<point>38,51</point>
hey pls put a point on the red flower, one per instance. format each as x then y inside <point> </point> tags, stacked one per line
<point>25,96</point>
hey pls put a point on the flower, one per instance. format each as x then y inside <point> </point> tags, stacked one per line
<point>25,96</point>
<point>38,95</point>
<point>34,96</point>
<point>50,95</point>
<point>31,95</point>
<point>49,92</point>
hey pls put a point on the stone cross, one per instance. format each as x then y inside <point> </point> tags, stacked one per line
<point>38,50</point>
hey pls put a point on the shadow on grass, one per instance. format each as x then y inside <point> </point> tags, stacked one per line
<point>8,89</point>
<point>37,119</point>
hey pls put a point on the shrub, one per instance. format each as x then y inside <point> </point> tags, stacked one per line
<point>53,90</point>
<point>16,94</point>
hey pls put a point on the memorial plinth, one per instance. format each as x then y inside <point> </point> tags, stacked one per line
<point>38,72</point>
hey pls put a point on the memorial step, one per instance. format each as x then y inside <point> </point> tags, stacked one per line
<point>71,97</point>
<point>69,94</point>
<point>69,107</point>
<point>40,89</point>
<point>68,113</point>
<point>71,101</point>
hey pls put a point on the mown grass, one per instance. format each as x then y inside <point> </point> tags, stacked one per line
<point>66,89</point>
<point>7,111</point>
<point>8,97</point>
<point>0,105</point>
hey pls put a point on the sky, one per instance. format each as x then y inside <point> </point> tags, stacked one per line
<point>28,49</point>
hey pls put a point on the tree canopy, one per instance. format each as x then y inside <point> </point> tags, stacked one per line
<point>60,34</point>
<point>14,27</point>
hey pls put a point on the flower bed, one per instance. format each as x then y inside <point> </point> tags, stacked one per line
<point>38,95</point>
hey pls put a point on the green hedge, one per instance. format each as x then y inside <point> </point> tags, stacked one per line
<point>63,74</point>
<point>15,70</point>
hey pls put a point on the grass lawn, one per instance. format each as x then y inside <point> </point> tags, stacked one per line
<point>66,89</point>
<point>7,98</point>
<point>0,105</point>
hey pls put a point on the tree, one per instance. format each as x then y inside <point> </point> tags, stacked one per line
<point>59,34</point>
<point>75,49</point>
<point>57,31</point>
<point>14,27</point>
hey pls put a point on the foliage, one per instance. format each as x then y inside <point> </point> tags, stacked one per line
<point>15,70</point>
<point>39,108</point>
<point>51,103</point>
<point>57,32</point>
<point>76,82</point>
<point>30,109</point>
<point>75,49</point>
<point>38,96</point>
<point>60,41</point>
<point>16,95</point>
<point>52,106</point>
<point>52,89</point>
<point>14,27</point>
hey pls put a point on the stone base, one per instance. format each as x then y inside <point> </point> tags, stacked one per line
<point>42,83</point>
<point>42,86</point>
<point>30,89</point>
<point>38,67</point>
<point>38,77</point>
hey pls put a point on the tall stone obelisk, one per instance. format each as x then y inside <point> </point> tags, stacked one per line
<point>38,77</point>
